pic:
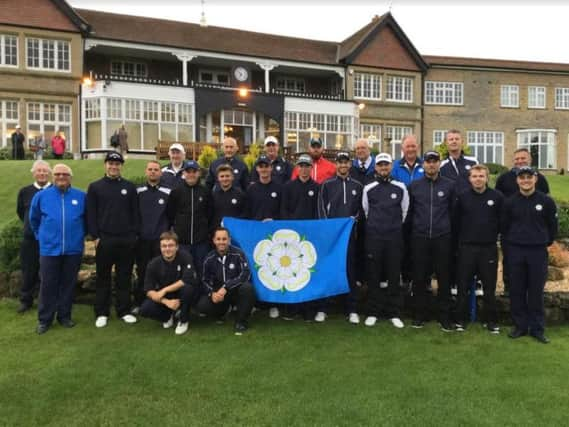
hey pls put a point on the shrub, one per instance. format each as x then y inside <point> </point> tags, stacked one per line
<point>563,217</point>
<point>10,240</point>
<point>496,168</point>
<point>251,156</point>
<point>442,150</point>
<point>207,157</point>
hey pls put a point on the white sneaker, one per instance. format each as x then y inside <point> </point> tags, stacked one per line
<point>274,313</point>
<point>354,318</point>
<point>169,323</point>
<point>182,328</point>
<point>370,321</point>
<point>320,317</point>
<point>396,321</point>
<point>101,321</point>
<point>128,318</point>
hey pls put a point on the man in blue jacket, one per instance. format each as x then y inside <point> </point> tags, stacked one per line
<point>57,218</point>
<point>410,167</point>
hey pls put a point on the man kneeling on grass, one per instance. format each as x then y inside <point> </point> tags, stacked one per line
<point>226,276</point>
<point>171,282</point>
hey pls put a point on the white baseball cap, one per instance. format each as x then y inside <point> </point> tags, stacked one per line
<point>178,147</point>
<point>271,139</point>
<point>383,157</point>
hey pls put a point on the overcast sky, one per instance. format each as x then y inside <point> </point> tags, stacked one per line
<point>484,29</point>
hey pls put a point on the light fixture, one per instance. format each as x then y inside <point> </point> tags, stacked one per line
<point>243,92</point>
<point>361,106</point>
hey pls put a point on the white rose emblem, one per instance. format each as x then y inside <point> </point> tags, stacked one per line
<point>278,168</point>
<point>467,167</point>
<point>393,196</point>
<point>490,202</point>
<point>311,193</point>
<point>231,266</point>
<point>538,207</point>
<point>74,202</point>
<point>233,201</point>
<point>160,201</point>
<point>236,171</point>
<point>200,199</point>
<point>273,195</point>
<point>440,193</point>
<point>421,170</point>
<point>179,268</point>
<point>284,261</point>
<point>354,192</point>
<point>123,191</point>
<point>189,266</point>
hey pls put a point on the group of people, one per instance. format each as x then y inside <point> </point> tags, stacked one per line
<point>38,145</point>
<point>413,217</point>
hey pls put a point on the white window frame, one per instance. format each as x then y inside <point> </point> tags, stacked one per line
<point>373,82</point>
<point>297,84</point>
<point>479,141</point>
<point>551,144</point>
<point>509,96</point>
<point>536,94</point>
<point>3,38</point>
<point>56,56</point>
<point>215,77</point>
<point>44,109</point>
<point>122,65</point>
<point>8,123</point>
<point>444,93</point>
<point>372,132</point>
<point>439,137</point>
<point>562,98</point>
<point>399,89</point>
<point>395,133</point>
<point>333,124</point>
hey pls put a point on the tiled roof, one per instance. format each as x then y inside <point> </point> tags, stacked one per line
<point>495,63</point>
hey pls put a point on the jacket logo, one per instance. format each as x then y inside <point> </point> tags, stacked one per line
<point>490,202</point>
<point>278,168</point>
<point>200,199</point>
<point>160,201</point>
<point>441,193</point>
<point>273,195</point>
<point>123,191</point>
<point>421,170</point>
<point>179,268</point>
<point>189,266</point>
<point>311,193</point>
<point>231,266</point>
<point>233,201</point>
<point>236,171</point>
<point>74,202</point>
<point>393,196</point>
<point>538,207</point>
<point>354,192</point>
<point>467,167</point>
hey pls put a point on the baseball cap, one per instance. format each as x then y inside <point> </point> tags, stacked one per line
<point>304,159</point>
<point>432,155</point>
<point>113,156</point>
<point>18,127</point>
<point>178,147</point>
<point>316,141</point>
<point>342,155</point>
<point>526,170</point>
<point>263,159</point>
<point>191,164</point>
<point>383,158</point>
<point>271,140</point>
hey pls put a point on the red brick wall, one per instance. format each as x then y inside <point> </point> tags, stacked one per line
<point>34,13</point>
<point>386,51</point>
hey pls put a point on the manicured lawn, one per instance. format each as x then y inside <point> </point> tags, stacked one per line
<point>279,373</point>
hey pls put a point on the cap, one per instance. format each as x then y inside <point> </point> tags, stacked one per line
<point>316,141</point>
<point>18,127</point>
<point>271,140</point>
<point>432,155</point>
<point>178,147</point>
<point>190,164</point>
<point>263,159</point>
<point>304,159</point>
<point>526,170</point>
<point>383,158</point>
<point>342,155</point>
<point>113,156</point>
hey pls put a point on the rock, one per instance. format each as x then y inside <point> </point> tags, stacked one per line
<point>555,274</point>
<point>89,252</point>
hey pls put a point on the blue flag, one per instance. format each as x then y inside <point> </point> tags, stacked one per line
<point>294,261</point>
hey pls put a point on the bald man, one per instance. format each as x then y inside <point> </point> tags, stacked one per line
<point>240,171</point>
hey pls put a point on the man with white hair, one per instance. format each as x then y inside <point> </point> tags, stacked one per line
<point>172,172</point>
<point>281,169</point>
<point>363,166</point>
<point>29,249</point>
<point>240,170</point>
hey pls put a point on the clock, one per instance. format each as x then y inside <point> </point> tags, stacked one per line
<point>241,74</point>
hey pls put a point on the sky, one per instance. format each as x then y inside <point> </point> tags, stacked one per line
<point>501,29</point>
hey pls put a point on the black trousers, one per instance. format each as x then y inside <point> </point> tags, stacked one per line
<point>160,312</point>
<point>117,252</point>
<point>145,251</point>
<point>528,273</point>
<point>242,296</point>
<point>384,261</point>
<point>482,261</point>
<point>431,255</point>
<point>505,266</point>
<point>59,277</point>
<point>30,261</point>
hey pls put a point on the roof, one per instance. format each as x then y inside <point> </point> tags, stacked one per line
<point>185,35</point>
<point>451,61</point>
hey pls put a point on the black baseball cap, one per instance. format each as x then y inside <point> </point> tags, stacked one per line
<point>527,170</point>
<point>262,159</point>
<point>342,155</point>
<point>316,141</point>
<point>191,164</point>
<point>432,155</point>
<point>113,156</point>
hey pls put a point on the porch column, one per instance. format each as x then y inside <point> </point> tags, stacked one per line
<point>267,67</point>
<point>185,58</point>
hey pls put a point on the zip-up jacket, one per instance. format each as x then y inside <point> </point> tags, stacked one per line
<point>403,173</point>
<point>25,196</point>
<point>188,212</point>
<point>281,173</point>
<point>112,208</point>
<point>57,219</point>
<point>227,203</point>
<point>240,173</point>
<point>161,273</point>
<point>152,202</point>
<point>508,184</point>
<point>430,206</point>
<point>170,178</point>
<point>529,220</point>
<point>300,200</point>
<point>322,170</point>
<point>229,271</point>
<point>477,216</point>
<point>458,170</point>
<point>340,198</point>
<point>362,173</point>
<point>264,201</point>
<point>385,203</point>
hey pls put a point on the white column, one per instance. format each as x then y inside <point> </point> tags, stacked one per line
<point>104,118</point>
<point>267,66</point>
<point>209,127</point>
<point>342,75</point>
<point>185,58</point>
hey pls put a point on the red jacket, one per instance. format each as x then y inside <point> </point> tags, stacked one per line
<point>322,169</point>
<point>58,145</point>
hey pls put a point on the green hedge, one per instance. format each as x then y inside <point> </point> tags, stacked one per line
<point>563,216</point>
<point>10,240</point>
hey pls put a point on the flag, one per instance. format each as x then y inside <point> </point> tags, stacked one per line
<point>294,261</point>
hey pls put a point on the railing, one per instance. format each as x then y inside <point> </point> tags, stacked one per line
<point>132,79</point>
<point>321,96</point>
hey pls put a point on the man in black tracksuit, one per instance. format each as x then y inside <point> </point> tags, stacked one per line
<point>529,226</point>
<point>188,212</point>
<point>227,279</point>
<point>385,203</point>
<point>281,170</point>
<point>456,166</point>
<point>240,171</point>
<point>508,186</point>
<point>152,201</point>
<point>264,195</point>
<point>112,220</point>
<point>430,212</point>
<point>226,200</point>
<point>29,248</point>
<point>477,220</point>
<point>341,197</point>
<point>170,284</point>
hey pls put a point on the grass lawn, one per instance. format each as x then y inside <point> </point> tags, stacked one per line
<point>279,373</point>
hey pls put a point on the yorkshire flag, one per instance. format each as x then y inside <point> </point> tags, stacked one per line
<point>294,261</point>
